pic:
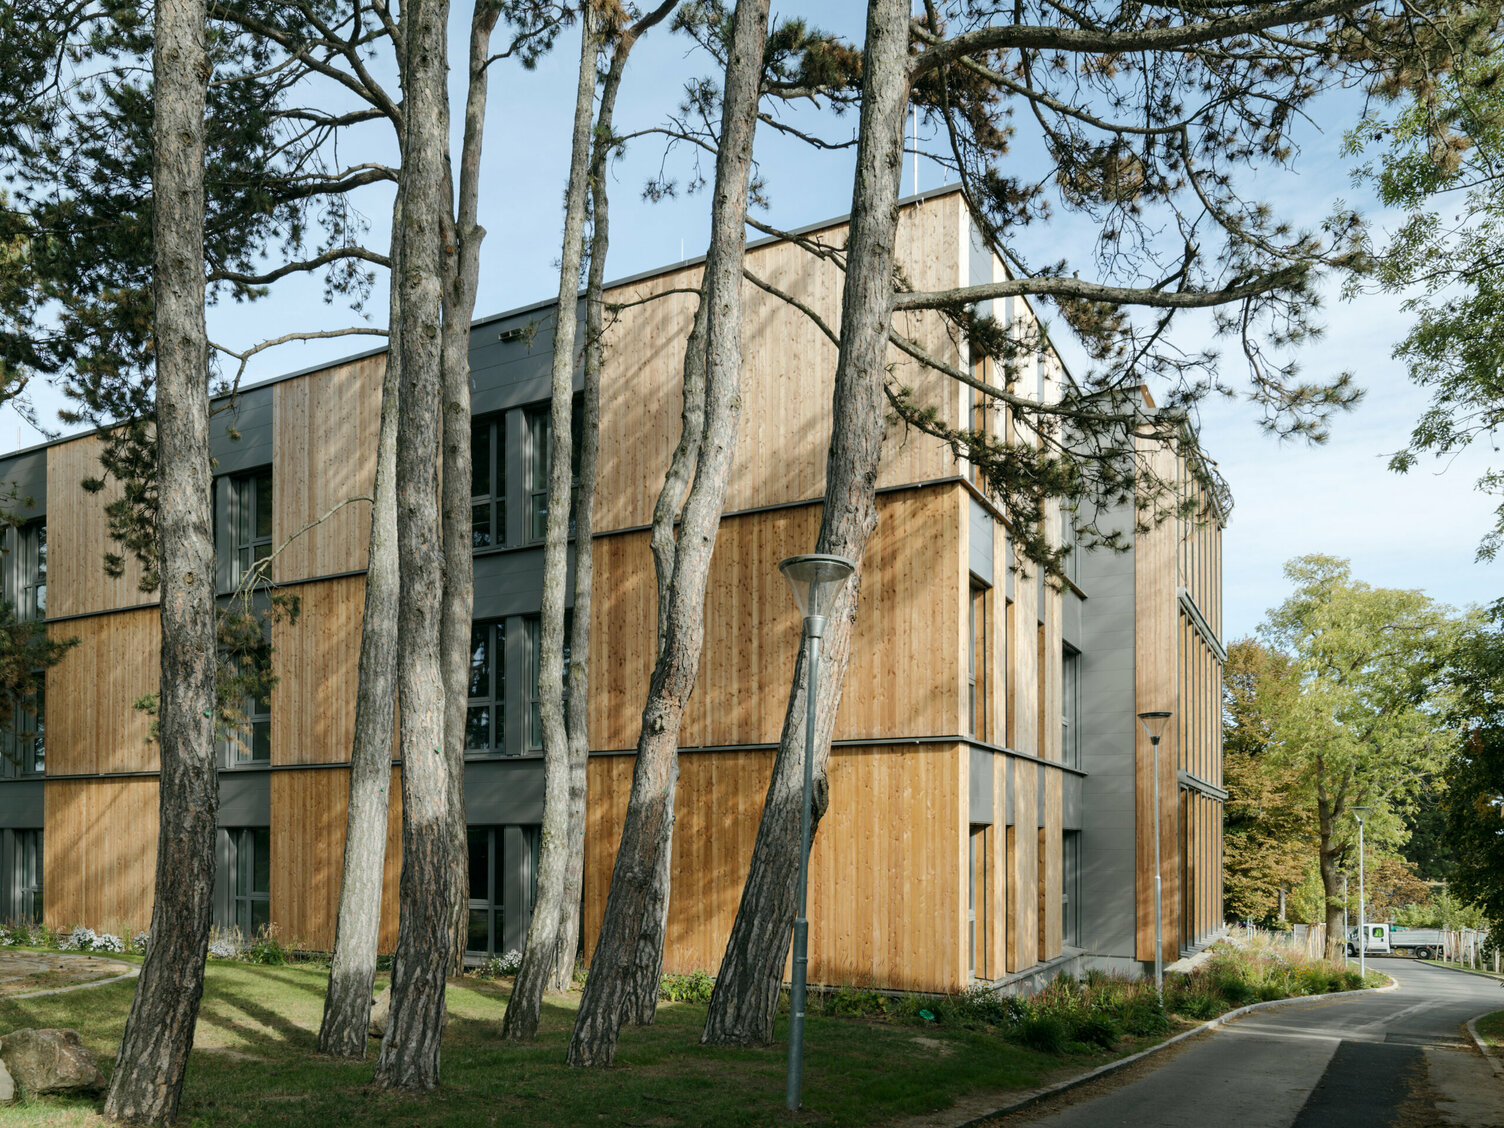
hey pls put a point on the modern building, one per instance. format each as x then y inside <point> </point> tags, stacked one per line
<point>990,795</point>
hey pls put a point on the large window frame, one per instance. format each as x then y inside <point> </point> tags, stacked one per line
<point>26,901</point>
<point>1070,707</point>
<point>538,431</point>
<point>23,740</point>
<point>488,481</point>
<point>26,571</point>
<point>485,713</point>
<point>250,880</point>
<point>533,632</point>
<point>249,524</point>
<point>486,869</point>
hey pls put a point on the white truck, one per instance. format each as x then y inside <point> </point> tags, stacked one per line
<point>1385,939</point>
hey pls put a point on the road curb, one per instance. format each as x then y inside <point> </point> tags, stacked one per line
<point>1484,1048</point>
<point>1034,1098</point>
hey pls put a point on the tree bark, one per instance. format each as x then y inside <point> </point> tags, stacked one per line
<point>631,940</point>
<point>1327,851</point>
<point>409,1057</point>
<point>148,1077</point>
<point>745,999</point>
<point>462,242</point>
<point>578,713</point>
<point>542,953</point>
<point>352,975</point>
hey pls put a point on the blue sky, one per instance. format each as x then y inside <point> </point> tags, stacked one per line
<point>1417,531</point>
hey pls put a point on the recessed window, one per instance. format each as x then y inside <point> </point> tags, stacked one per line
<point>540,450</point>
<point>27,876</point>
<point>535,673</point>
<point>23,739</point>
<point>485,716</point>
<point>489,868</point>
<point>26,571</point>
<point>1070,708</point>
<point>488,482</point>
<point>250,880</point>
<point>250,521</point>
<point>1070,887</point>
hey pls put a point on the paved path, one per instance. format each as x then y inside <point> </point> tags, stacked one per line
<point>1401,1058</point>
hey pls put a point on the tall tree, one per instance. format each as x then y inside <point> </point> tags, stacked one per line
<point>630,949</point>
<point>148,1078</point>
<point>1356,716</point>
<point>409,1057</point>
<point>542,953</point>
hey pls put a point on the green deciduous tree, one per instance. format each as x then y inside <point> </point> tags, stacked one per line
<point>1358,711</point>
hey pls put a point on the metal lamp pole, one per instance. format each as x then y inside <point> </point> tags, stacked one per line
<point>1362,906</point>
<point>1154,724</point>
<point>816,580</point>
<point>1344,918</point>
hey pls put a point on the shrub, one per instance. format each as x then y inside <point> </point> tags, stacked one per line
<point>106,942</point>
<point>692,988</point>
<point>139,941</point>
<point>79,940</point>
<point>266,949</point>
<point>1096,1029</point>
<point>849,1001</point>
<point>1043,1032</point>
<point>494,967</point>
<point>225,946</point>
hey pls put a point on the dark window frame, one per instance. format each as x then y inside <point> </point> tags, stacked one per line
<point>494,500</point>
<point>28,903</point>
<point>532,632</point>
<point>494,699</point>
<point>537,431</point>
<point>247,543</point>
<point>249,846</point>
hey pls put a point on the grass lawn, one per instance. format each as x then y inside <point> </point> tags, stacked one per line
<point>254,1063</point>
<point>1491,1029</point>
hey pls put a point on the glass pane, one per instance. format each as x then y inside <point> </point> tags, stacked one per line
<point>244,556</point>
<point>480,460</point>
<point>535,731</point>
<point>262,551</point>
<point>261,850</point>
<point>479,936</point>
<point>480,661</point>
<point>244,849</point>
<point>244,499</point>
<point>261,742</point>
<point>478,726</point>
<point>537,421</point>
<point>264,504</point>
<point>41,600</point>
<point>539,517</point>
<point>480,525</point>
<point>479,841</point>
<point>260,916</point>
<point>243,917</point>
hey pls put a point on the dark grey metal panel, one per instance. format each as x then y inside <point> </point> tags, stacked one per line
<point>21,804</point>
<point>503,791</point>
<point>981,787</point>
<point>224,575</point>
<point>981,541</point>
<point>1070,802</point>
<point>516,440</point>
<point>245,798</point>
<point>514,739</point>
<point>511,361</point>
<point>223,912</point>
<point>240,438</point>
<point>1070,628</point>
<point>516,886</point>
<point>511,583</point>
<point>27,475</point>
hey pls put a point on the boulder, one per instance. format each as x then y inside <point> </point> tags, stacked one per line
<point>7,1086</point>
<point>50,1061</point>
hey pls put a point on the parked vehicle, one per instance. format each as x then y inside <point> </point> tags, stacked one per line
<point>1377,940</point>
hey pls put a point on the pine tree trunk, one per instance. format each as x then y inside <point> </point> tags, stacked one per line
<point>542,954</point>
<point>578,713</point>
<point>632,931</point>
<point>462,243</point>
<point>745,999</point>
<point>409,1056</point>
<point>148,1077</point>
<point>352,975</point>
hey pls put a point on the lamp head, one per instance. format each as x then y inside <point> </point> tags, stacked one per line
<point>1155,724</point>
<point>816,580</point>
<point>1358,816</point>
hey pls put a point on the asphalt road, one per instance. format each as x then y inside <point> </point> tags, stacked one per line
<point>1398,1058</point>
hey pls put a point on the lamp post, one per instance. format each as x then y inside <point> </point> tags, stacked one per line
<point>1362,906</point>
<point>1344,917</point>
<point>1155,725</point>
<point>816,580</point>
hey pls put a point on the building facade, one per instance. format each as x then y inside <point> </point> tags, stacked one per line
<point>988,795</point>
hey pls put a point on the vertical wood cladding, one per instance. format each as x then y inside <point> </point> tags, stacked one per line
<point>786,378</point>
<point>901,682</point>
<point>887,897</point>
<point>78,536</point>
<point>100,853</point>
<point>317,662</point>
<point>309,809</point>
<point>324,453</point>
<point>93,725</point>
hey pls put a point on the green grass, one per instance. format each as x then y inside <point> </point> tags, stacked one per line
<point>1491,1028</point>
<point>255,1063</point>
<point>1466,967</point>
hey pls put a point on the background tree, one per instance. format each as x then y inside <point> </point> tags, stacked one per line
<point>1357,715</point>
<point>1266,836</point>
<point>148,1076</point>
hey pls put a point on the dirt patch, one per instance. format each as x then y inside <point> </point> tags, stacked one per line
<point>24,973</point>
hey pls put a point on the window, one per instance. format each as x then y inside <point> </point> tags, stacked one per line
<point>489,868</point>
<point>976,900</point>
<point>1070,708</point>
<point>1070,894</point>
<point>26,571</point>
<point>27,871</point>
<point>488,482</point>
<point>22,741</point>
<point>976,664</point>
<point>486,716</point>
<point>535,672</point>
<point>253,743</point>
<point>250,521</point>
<point>540,450</point>
<point>250,880</point>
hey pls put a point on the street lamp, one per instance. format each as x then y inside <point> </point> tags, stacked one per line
<point>816,580</point>
<point>1344,919</point>
<point>1155,725</point>
<point>1362,907</point>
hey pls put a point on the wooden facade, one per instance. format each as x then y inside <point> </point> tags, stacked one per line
<point>944,857</point>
